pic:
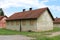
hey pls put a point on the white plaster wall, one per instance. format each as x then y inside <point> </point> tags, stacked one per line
<point>44,22</point>
<point>28,26</point>
<point>13,26</point>
<point>56,25</point>
<point>25,27</point>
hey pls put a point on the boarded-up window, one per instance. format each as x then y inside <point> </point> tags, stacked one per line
<point>7,23</point>
<point>17,23</point>
<point>23,22</point>
<point>32,22</point>
<point>12,23</point>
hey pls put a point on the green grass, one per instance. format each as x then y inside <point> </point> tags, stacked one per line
<point>12,32</point>
<point>47,38</point>
<point>37,35</point>
<point>55,29</point>
<point>55,38</point>
<point>42,37</point>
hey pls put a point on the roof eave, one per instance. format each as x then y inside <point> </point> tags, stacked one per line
<point>50,14</point>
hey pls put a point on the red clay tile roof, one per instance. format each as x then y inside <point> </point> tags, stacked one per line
<point>33,14</point>
<point>57,21</point>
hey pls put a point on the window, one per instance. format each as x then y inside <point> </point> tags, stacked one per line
<point>17,23</point>
<point>12,23</point>
<point>32,22</point>
<point>23,22</point>
<point>8,23</point>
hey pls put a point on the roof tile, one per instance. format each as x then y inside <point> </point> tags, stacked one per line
<point>57,21</point>
<point>27,14</point>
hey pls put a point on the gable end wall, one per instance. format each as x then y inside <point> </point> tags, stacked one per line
<point>44,22</point>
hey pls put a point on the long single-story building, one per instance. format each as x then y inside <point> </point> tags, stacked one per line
<point>56,22</point>
<point>32,20</point>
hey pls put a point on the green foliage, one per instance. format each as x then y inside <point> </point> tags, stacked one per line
<point>1,12</point>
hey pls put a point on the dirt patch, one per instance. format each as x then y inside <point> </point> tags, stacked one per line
<point>14,37</point>
<point>53,34</point>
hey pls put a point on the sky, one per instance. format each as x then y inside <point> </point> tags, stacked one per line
<point>12,6</point>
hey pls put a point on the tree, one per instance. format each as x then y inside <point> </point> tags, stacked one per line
<point>1,12</point>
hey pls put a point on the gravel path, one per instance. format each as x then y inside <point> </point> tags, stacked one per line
<point>14,37</point>
<point>54,34</point>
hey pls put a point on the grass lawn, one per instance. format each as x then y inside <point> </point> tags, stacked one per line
<point>12,32</point>
<point>55,29</point>
<point>37,35</point>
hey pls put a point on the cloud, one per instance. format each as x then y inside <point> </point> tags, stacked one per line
<point>54,7</point>
<point>57,8</point>
<point>22,3</point>
<point>27,4</point>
